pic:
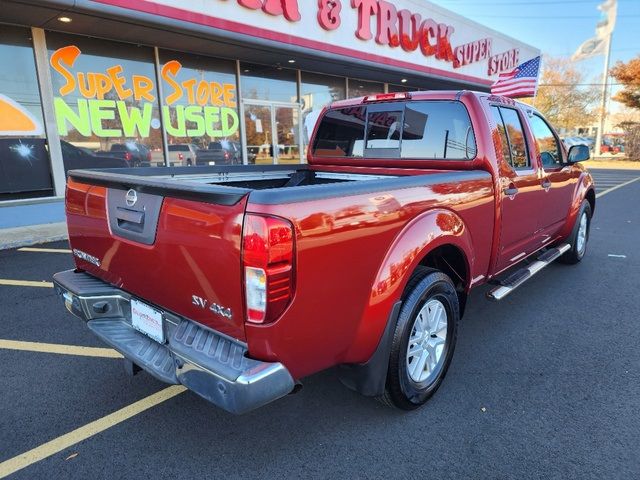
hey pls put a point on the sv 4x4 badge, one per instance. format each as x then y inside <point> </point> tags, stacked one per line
<point>214,307</point>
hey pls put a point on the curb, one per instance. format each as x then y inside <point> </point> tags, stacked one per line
<point>32,235</point>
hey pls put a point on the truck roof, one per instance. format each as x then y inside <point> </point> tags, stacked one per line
<point>421,95</point>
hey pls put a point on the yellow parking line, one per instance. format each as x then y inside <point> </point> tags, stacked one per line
<point>76,436</point>
<point>25,283</point>
<point>609,190</point>
<point>44,250</point>
<point>59,349</point>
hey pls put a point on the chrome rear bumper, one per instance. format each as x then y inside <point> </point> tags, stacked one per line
<point>211,364</point>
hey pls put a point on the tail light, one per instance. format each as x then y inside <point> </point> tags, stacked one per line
<point>267,256</point>
<point>149,156</point>
<point>226,155</point>
<point>127,156</point>
<point>180,156</point>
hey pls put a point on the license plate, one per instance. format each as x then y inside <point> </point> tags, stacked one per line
<point>147,320</point>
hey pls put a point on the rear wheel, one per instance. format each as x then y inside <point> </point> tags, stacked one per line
<point>423,341</point>
<point>579,236</point>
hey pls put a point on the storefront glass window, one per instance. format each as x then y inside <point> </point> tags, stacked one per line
<point>316,92</point>
<point>260,82</point>
<point>401,88</point>
<point>360,88</point>
<point>25,169</point>
<point>106,103</point>
<point>200,109</point>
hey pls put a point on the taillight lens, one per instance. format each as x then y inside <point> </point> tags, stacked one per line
<point>267,255</point>
<point>127,156</point>
<point>180,156</point>
<point>226,155</point>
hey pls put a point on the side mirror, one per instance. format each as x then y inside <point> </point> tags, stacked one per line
<point>578,153</point>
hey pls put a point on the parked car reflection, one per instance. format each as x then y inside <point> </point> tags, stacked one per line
<point>74,157</point>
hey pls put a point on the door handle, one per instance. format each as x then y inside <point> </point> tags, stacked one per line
<point>546,184</point>
<point>511,190</point>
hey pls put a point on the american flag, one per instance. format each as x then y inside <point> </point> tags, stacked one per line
<point>520,82</point>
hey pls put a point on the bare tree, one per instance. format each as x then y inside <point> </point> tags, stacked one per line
<point>564,96</point>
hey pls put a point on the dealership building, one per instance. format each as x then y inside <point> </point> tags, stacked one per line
<point>101,83</point>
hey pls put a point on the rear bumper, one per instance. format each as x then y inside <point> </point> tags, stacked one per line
<point>210,364</point>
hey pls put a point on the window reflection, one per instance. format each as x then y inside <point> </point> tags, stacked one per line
<point>24,160</point>
<point>106,101</point>
<point>200,110</point>
<point>548,146</point>
<point>515,133</point>
<point>360,88</point>
<point>316,92</point>
<point>437,130</point>
<point>341,133</point>
<point>383,129</point>
<point>514,145</point>
<point>502,132</point>
<point>261,82</point>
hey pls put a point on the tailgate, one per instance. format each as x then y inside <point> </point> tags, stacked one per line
<point>176,246</point>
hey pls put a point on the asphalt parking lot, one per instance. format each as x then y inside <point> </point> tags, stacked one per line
<point>545,384</point>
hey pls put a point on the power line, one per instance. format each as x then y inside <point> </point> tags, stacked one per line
<point>578,84</point>
<point>555,17</point>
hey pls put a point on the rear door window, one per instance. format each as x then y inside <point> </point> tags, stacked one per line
<point>514,145</point>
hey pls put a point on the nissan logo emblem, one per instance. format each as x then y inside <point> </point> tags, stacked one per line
<point>131,197</point>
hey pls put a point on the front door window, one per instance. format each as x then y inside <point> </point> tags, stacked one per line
<point>549,151</point>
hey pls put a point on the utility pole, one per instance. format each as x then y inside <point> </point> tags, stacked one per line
<point>605,91</point>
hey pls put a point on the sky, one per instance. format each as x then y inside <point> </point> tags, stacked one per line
<point>557,27</point>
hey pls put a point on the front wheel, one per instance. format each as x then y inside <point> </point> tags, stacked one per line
<point>579,236</point>
<point>423,341</point>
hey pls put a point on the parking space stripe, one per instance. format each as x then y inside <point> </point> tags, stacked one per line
<point>76,436</point>
<point>59,349</point>
<point>617,187</point>
<point>25,283</point>
<point>44,250</point>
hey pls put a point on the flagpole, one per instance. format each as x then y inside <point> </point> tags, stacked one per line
<point>603,104</point>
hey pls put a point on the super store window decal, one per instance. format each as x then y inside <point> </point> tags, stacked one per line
<point>111,104</point>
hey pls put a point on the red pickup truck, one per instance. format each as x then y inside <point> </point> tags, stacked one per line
<point>239,281</point>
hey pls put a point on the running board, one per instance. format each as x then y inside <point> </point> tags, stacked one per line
<point>517,278</point>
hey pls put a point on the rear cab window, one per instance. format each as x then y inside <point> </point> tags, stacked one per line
<point>420,130</point>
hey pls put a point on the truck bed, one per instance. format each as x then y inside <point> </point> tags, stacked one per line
<point>166,234</point>
<point>265,184</point>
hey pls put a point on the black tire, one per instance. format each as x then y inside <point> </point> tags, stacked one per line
<point>401,390</point>
<point>574,255</point>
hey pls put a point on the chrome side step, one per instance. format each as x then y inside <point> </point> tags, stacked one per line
<point>517,278</point>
